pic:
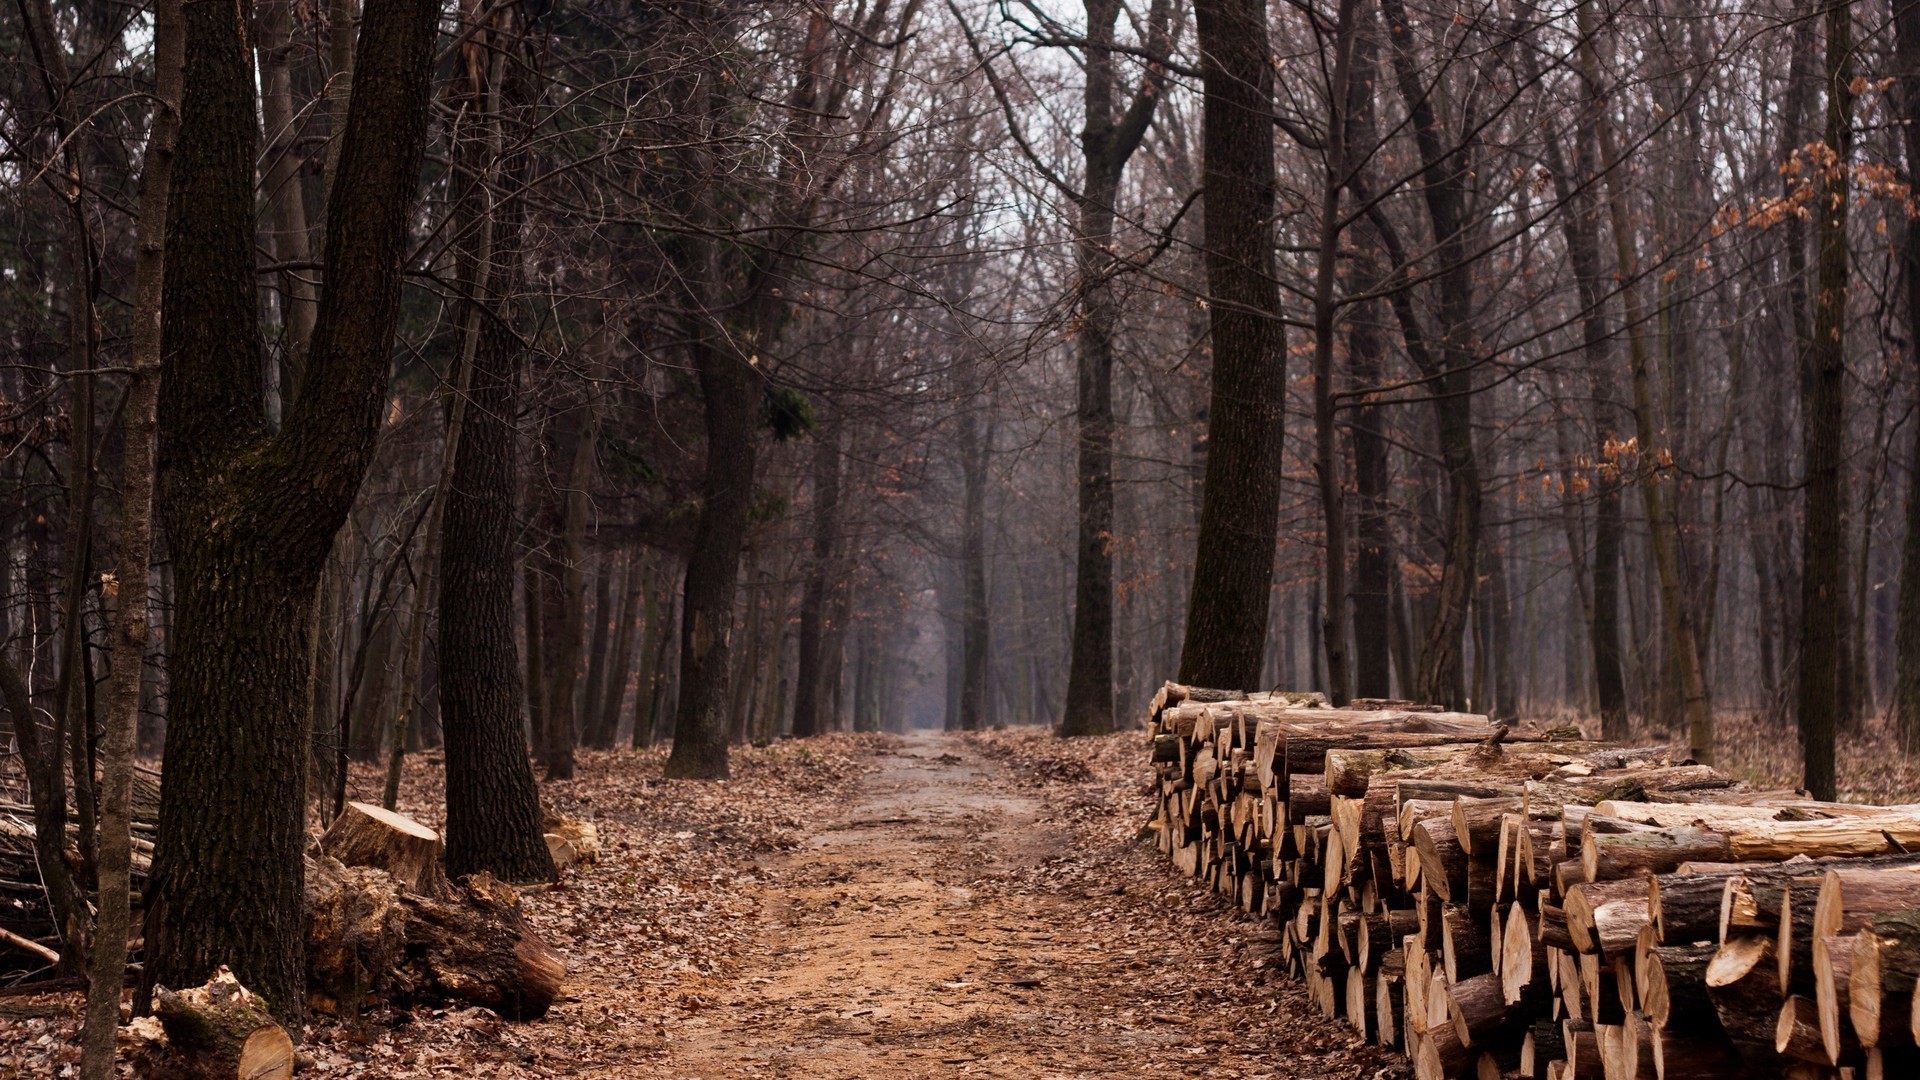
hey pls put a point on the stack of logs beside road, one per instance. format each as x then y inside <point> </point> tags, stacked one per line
<point>1500,901</point>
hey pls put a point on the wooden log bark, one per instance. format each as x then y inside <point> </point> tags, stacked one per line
<point>219,1031</point>
<point>367,835</point>
<point>1886,963</point>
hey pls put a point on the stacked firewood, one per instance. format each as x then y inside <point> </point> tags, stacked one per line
<point>1503,901</point>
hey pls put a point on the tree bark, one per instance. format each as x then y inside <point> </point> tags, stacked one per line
<point>1326,442</point>
<point>113,922</point>
<point>1823,418</point>
<point>1906,694</point>
<point>251,515</point>
<point>1107,142</point>
<point>599,644</point>
<point>493,806</point>
<point>1240,498</point>
<point>821,580</point>
<point>975,630</point>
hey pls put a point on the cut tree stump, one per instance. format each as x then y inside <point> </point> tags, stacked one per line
<point>393,928</point>
<point>220,1030</point>
<point>368,835</point>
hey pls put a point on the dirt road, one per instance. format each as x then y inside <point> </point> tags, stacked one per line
<point>952,923</point>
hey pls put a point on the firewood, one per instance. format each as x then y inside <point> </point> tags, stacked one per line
<point>1685,907</point>
<point>1832,964</point>
<point>219,1030</point>
<point>1886,962</point>
<point>1607,856</point>
<point>1606,917</point>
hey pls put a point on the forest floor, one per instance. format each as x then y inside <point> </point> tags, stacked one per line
<point>854,906</point>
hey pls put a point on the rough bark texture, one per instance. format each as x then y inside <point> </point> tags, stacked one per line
<point>115,869</point>
<point>1823,416</point>
<point>251,515</point>
<point>493,806</point>
<point>731,391</point>
<point>1906,698</point>
<point>1240,498</point>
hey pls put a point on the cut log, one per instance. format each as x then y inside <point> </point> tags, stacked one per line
<point>1607,856</point>
<point>1832,964</point>
<point>1886,963</point>
<point>219,1030</point>
<point>368,835</point>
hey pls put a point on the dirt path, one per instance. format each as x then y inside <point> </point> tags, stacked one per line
<point>939,928</point>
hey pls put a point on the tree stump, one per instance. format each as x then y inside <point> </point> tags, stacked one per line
<point>220,1030</point>
<point>367,835</point>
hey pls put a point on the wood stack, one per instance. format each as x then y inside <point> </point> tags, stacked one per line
<point>1495,901</point>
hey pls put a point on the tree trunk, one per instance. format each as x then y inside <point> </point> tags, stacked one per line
<point>592,720</point>
<point>1107,142</point>
<point>1823,434</point>
<point>493,806</point>
<point>649,702</point>
<point>730,389</point>
<point>1906,692</point>
<point>1676,605</point>
<point>821,580</point>
<point>113,922</point>
<point>1373,568</point>
<point>1240,498</point>
<point>975,631</point>
<point>1440,677</point>
<point>251,515</point>
<point>637,578</point>
<point>1326,457</point>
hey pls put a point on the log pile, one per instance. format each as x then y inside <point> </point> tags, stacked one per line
<point>1495,901</point>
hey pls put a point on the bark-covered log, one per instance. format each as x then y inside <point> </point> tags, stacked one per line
<point>1886,962</point>
<point>219,1031</point>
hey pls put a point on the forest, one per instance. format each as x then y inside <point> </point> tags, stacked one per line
<point>500,415</point>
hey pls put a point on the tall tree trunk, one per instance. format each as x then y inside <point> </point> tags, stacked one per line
<point>1906,691</point>
<point>599,643</point>
<point>1326,455</point>
<point>1107,142</point>
<point>108,963</point>
<point>251,515</point>
<point>1373,568</point>
<point>975,632</point>
<point>1675,603</point>
<point>730,389</point>
<point>1823,417</point>
<point>821,579</point>
<point>493,805</point>
<point>637,580</point>
<point>1240,499</point>
<point>1444,189</point>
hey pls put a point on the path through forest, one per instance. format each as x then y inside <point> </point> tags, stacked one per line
<point>938,927</point>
